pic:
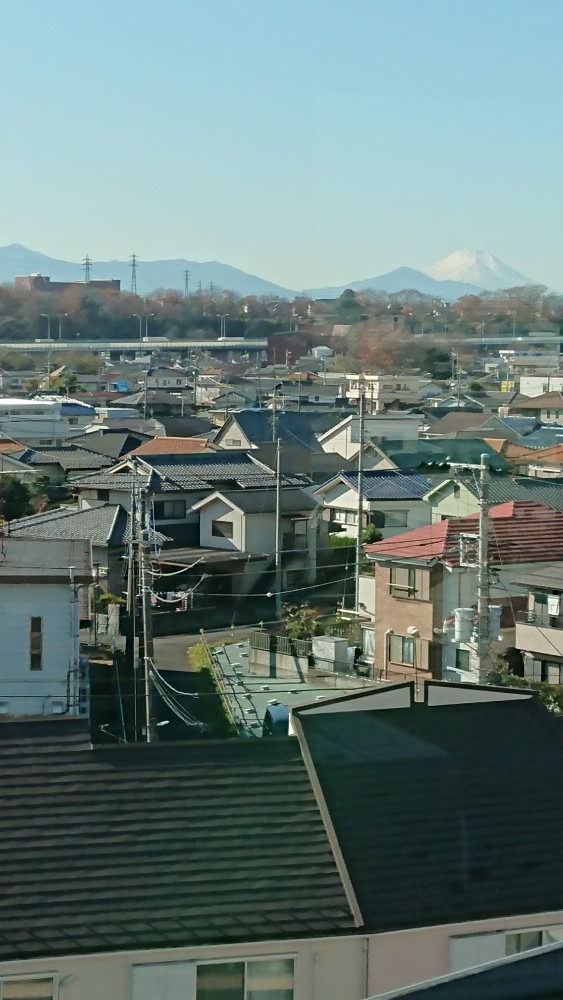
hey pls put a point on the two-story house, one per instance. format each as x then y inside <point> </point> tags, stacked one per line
<point>539,628</point>
<point>364,853</point>
<point>381,391</point>
<point>41,587</point>
<point>421,577</point>
<point>344,437</point>
<point>245,522</point>
<point>391,501</point>
<point>460,497</point>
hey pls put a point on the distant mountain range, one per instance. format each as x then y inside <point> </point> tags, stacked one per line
<point>464,272</point>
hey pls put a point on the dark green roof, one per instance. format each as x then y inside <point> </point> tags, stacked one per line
<point>164,846</point>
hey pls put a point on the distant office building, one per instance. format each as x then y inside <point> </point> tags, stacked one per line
<point>42,283</point>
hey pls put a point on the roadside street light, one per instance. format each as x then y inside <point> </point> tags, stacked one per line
<point>140,318</point>
<point>48,318</point>
<point>61,317</point>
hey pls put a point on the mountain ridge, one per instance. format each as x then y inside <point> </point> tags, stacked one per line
<point>448,278</point>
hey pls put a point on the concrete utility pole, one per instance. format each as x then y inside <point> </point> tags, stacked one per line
<point>481,564</point>
<point>360,498</point>
<point>278,583</point>
<point>148,641</point>
<point>483,569</point>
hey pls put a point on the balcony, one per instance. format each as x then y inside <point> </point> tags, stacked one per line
<point>540,618</point>
<point>539,633</point>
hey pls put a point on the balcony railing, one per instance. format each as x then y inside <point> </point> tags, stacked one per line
<point>540,618</point>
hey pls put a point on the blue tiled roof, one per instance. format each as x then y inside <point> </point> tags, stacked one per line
<point>257,427</point>
<point>389,484</point>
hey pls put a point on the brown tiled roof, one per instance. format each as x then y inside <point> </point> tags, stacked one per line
<point>8,445</point>
<point>172,446</point>
<point>519,532</point>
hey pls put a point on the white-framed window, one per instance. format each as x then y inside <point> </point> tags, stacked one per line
<point>243,979</point>
<point>470,950</point>
<point>28,987</point>
<point>345,516</point>
<point>233,442</point>
<point>258,979</point>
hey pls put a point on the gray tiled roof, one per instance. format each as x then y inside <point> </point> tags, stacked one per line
<point>141,847</point>
<point>262,501</point>
<point>105,524</point>
<point>502,489</point>
<point>68,458</point>
<point>389,484</point>
<point>195,472</point>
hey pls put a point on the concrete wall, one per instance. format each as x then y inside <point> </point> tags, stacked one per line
<point>325,969</point>
<point>24,691</point>
<point>268,663</point>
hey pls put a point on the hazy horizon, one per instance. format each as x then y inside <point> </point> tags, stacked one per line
<point>304,141</point>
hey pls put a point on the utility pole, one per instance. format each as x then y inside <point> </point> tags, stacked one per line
<point>483,569</point>
<point>481,563</point>
<point>87,267</point>
<point>360,499</point>
<point>148,641</point>
<point>274,416</point>
<point>278,583</point>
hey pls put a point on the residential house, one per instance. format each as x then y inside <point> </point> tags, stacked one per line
<point>392,501</point>
<point>43,420</point>
<point>245,522</point>
<point>17,381</point>
<point>381,391</point>
<point>364,853</point>
<point>344,437</point>
<point>249,429</point>
<point>433,459</point>
<point>58,465</point>
<point>460,497</point>
<point>421,578</point>
<point>175,483</point>
<point>11,465</point>
<point>539,628</point>
<point>539,462</point>
<point>114,443</point>
<point>165,378</point>
<point>39,625</point>
<point>156,403</point>
<point>158,446</point>
<point>105,527</point>
<point>548,407</point>
<point>536,385</point>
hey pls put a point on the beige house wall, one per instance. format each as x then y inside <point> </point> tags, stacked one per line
<point>345,968</point>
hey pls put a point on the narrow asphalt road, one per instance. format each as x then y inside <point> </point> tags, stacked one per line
<point>170,650</point>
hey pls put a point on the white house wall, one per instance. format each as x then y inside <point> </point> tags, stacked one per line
<point>34,692</point>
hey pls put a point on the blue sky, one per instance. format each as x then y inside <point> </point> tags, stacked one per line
<point>308,141</point>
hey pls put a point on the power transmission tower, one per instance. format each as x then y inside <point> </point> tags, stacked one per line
<point>187,275</point>
<point>86,267</point>
<point>133,261</point>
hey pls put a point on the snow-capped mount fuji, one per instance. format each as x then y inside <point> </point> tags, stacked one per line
<point>477,267</point>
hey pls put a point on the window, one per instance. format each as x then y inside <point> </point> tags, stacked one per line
<point>401,650</point>
<point>345,516</point>
<point>222,529</point>
<point>28,988</point>
<point>102,495</point>
<point>462,659</point>
<point>45,441</point>
<point>169,510</point>
<point>268,979</point>
<point>35,643</point>
<point>395,519</point>
<point>73,421</point>
<point>233,442</point>
<point>402,582</point>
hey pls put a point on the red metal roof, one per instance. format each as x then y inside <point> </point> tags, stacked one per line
<point>172,446</point>
<point>519,532</point>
